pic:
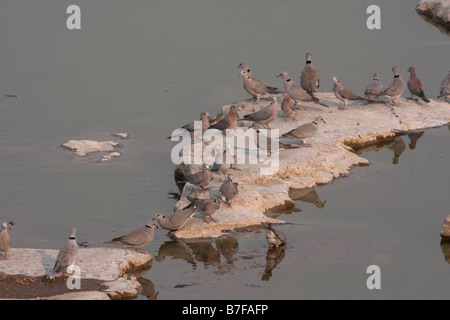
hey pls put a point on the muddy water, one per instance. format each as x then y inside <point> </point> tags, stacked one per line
<point>147,67</point>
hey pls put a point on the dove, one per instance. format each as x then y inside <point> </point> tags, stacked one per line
<point>5,239</point>
<point>201,179</point>
<point>274,237</point>
<point>176,220</point>
<point>138,238</point>
<point>296,92</point>
<point>415,86</point>
<point>223,165</point>
<point>229,189</point>
<point>207,206</point>
<point>445,88</point>
<point>287,105</point>
<point>395,89</point>
<point>309,79</point>
<point>67,256</point>
<point>255,87</point>
<point>228,122</point>
<point>304,131</point>
<point>374,87</point>
<point>204,118</point>
<point>266,144</point>
<point>266,115</point>
<point>343,93</point>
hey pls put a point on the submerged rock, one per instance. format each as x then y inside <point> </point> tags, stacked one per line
<point>330,156</point>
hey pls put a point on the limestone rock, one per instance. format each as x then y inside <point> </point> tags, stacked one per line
<point>330,156</point>
<point>445,231</point>
<point>438,10</point>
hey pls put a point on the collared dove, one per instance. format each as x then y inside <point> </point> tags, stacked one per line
<point>415,86</point>
<point>445,88</point>
<point>5,239</point>
<point>207,206</point>
<point>374,87</point>
<point>138,238</point>
<point>267,144</point>
<point>304,131</point>
<point>266,115</point>
<point>395,89</point>
<point>287,105</point>
<point>296,92</point>
<point>228,122</point>
<point>201,179</point>
<point>255,87</point>
<point>343,93</point>
<point>204,118</point>
<point>176,220</point>
<point>67,256</point>
<point>274,237</point>
<point>229,189</point>
<point>309,79</point>
<point>223,162</point>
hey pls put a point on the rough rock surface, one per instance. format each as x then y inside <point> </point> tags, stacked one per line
<point>438,10</point>
<point>445,231</point>
<point>330,156</point>
<point>109,264</point>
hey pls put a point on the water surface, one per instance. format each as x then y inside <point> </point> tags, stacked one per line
<point>147,67</point>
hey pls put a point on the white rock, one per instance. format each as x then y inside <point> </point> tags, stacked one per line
<point>330,156</point>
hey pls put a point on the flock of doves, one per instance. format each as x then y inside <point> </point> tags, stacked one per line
<point>293,95</point>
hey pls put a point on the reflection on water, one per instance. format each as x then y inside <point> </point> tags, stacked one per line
<point>397,147</point>
<point>413,138</point>
<point>148,288</point>
<point>176,250</point>
<point>227,247</point>
<point>273,258</point>
<point>308,195</point>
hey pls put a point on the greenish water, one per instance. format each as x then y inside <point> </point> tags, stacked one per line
<point>147,67</point>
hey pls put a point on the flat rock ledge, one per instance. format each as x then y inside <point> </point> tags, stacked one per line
<point>437,10</point>
<point>330,156</point>
<point>113,265</point>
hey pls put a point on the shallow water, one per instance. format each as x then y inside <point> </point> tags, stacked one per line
<point>148,67</point>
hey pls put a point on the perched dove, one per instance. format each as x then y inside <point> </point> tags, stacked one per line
<point>287,105</point>
<point>5,239</point>
<point>201,179</point>
<point>274,237</point>
<point>445,88</point>
<point>223,162</point>
<point>255,87</point>
<point>268,143</point>
<point>304,131</point>
<point>395,89</point>
<point>138,238</point>
<point>229,189</point>
<point>207,206</point>
<point>415,86</point>
<point>266,115</point>
<point>309,79</point>
<point>343,93</point>
<point>67,256</point>
<point>176,220</point>
<point>204,117</point>
<point>228,122</point>
<point>374,87</point>
<point>296,92</point>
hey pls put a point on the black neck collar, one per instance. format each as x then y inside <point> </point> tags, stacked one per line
<point>71,238</point>
<point>288,80</point>
<point>315,122</point>
<point>308,61</point>
<point>396,76</point>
